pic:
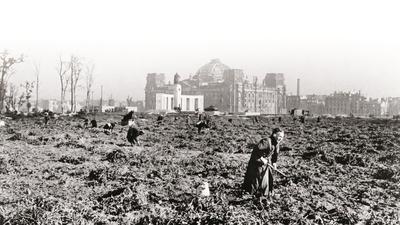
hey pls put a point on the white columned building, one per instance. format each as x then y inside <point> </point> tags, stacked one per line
<point>170,102</point>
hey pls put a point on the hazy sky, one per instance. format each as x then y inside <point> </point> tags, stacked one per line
<point>330,45</point>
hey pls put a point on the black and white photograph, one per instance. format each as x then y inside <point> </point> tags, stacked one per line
<point>199,112</point>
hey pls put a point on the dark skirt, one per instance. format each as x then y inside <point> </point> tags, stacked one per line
<point>258,179</point>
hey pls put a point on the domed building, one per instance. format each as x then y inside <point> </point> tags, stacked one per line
<point>216,84</point>
<point>211,72</point>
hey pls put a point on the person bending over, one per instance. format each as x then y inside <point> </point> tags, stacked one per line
<point>258,179</point>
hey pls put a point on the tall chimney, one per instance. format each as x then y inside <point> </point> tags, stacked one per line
<point>298,86</point>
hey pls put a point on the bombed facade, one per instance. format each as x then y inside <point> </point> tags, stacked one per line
<point>217,84</point>
<point>352,103</point>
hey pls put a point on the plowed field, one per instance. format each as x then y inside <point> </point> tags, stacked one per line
<point>338,171</point>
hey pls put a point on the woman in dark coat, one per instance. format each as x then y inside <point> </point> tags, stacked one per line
<point>258,179</point>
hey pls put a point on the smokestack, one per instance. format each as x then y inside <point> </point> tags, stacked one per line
<point>298,87</point>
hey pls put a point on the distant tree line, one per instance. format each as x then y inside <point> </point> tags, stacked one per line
<point>69,73</point>
<point>7,64</point>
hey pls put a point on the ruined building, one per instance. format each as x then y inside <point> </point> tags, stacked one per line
<point>225,88</point>
<point>162,97</point>
<point>351,103</point>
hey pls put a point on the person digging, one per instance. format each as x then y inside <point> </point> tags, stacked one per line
<point>258,179</point>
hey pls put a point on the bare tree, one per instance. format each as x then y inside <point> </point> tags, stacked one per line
<point>28,89</point>
<point>11,98</point>
<point>6,66</point>
<point>21,100</point>
<point>89,83</point>
<point>72,82</point>
<point>64,80</point>
<point>129,101</point>
<point>37,72</point>
<point>75,69</point>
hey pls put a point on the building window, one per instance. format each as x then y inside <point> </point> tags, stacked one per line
<point>172,103</point>
<point>196,103</point>
<point>187,104</point>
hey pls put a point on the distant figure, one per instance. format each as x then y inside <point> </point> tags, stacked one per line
<point>188,120</point>
<point>86,123</point>
<point>129,115</point>
<point>178,109</point>
<point>258,178</point>
<point>160,118</point>
<point>93,123</point>
<point>200,125</point>
<point>318,119</point>
<point>302,119</point>
<point>126,118</point>
<point>133,134</point>
<point>280,119</point>
<point>46,118</point>
<point>109,126</point>
<point>230,120</point>
<point>207,119</point>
